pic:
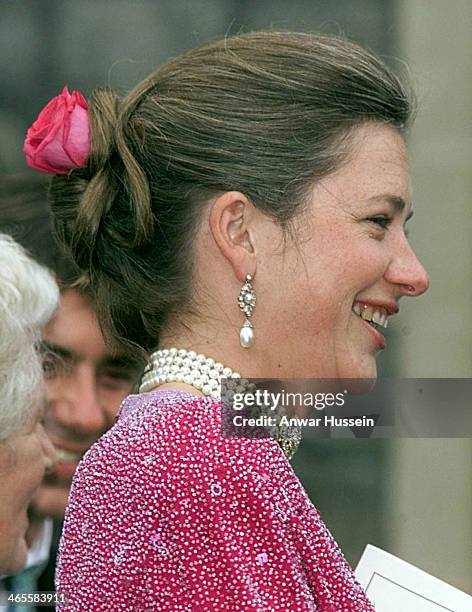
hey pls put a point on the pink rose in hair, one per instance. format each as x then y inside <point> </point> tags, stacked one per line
<point>59,139</point>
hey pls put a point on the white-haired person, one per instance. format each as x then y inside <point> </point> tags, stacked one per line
<point>85,379</point>
<point>28,299</point>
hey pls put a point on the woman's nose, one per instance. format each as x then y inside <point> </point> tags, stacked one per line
<point>419,283</point>
<point>407,272</point>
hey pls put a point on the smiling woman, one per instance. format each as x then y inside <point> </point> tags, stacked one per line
<point>243,211</point>
<point>28,298</point>
<point>354,227</point>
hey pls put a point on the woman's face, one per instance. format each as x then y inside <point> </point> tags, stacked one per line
<point>23,460</point>
<point>352,260</point>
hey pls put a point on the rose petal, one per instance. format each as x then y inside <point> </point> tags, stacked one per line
<point>55,156</point>
<point>38,166</point>
<point>77,142</point>
<point>59,139</point>
<point>54,130</point>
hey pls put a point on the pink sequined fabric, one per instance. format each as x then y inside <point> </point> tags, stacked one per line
<point>166,514</point>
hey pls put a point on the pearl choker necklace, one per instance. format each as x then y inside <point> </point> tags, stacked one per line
<point>204,374</point>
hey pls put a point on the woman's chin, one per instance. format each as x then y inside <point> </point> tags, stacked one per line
<point>362,368</point>
<point>359,377</point>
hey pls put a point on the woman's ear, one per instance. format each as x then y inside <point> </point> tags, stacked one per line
<point>232,224</point>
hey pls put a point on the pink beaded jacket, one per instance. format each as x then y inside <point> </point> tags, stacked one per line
<point>167,514</point>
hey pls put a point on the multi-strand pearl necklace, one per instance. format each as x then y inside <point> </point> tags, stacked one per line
<point>180,365</point>
<point>205,374</point>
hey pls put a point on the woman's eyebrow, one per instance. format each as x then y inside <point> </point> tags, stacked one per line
<point>394,200</point>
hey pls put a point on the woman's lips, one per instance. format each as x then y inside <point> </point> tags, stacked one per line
<point>379,340</point>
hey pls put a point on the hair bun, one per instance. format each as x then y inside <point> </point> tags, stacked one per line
<point>113,155</point>
<point>82,200</point>
<point>104,112</point>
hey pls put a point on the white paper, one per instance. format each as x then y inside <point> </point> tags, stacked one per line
<point>394,585</point>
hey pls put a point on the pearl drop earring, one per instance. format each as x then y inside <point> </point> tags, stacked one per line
<point>247,302</point>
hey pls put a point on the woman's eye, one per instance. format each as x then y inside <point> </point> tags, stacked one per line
<point>381,221</point>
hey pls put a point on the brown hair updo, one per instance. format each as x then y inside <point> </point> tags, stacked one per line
<point>263,113</point>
